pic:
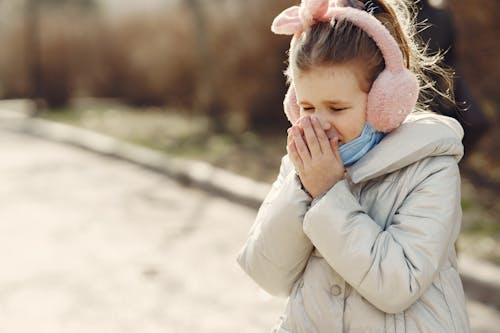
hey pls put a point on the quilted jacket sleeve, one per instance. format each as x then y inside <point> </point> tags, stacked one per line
<point>391,268</point>
<point>277,249</point>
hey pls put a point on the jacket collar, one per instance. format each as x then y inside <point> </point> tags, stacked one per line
<point>421,135</point>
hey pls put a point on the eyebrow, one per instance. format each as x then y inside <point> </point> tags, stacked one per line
<point>327,102</point>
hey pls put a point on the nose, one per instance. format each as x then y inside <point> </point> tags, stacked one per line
<point>330,130</point>
<point>325,124</point>
<point>327,127</point>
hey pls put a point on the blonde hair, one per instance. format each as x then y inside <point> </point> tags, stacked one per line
<point>344,42</point>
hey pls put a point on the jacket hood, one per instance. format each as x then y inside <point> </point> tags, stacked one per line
<point>421,135</point>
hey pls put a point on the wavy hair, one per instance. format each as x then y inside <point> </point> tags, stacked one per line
<point>343,42</point>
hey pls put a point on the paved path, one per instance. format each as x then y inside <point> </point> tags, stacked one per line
<point>93,244</point>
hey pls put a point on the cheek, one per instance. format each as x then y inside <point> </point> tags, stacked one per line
<point>361,116</point>
<point>353,125</point>
<point>359,130</point>
<point>360,124</point>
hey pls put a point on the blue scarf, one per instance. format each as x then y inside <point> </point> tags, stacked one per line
<point>352,151</point>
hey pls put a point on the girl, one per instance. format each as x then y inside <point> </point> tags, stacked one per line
<point>358,230</point>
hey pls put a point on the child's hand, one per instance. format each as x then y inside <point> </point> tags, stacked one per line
<point>316,158</point>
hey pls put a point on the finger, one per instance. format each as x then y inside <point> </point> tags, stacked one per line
<point>289,138</point>
<point>298,121</point>
<point>291,130</point>
<point>335,149</point>
<point>298,128</point>
<point>290,142</point>
<point>294,156</point>
<point>324,143</point>
<point>301,145</point>
<point>311,139</point>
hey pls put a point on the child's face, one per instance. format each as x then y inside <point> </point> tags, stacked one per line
<point>335,95</point>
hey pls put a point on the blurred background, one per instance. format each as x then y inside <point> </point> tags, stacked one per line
<point>203,79</point>
<point>213,59</point>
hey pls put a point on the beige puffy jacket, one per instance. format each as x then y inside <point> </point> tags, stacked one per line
<point>375,253</point>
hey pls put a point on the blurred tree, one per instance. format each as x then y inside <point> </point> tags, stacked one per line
<point>440,34</point>
<point>206,100</point>
<point>55,97</point>
<point>33,51</point>
<point>84,4</point>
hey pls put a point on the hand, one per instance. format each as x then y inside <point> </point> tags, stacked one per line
<point>315,157</point>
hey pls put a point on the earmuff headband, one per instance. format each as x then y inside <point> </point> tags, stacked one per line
<point>393,94</point>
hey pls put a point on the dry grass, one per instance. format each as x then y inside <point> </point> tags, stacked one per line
<point>182,133</point>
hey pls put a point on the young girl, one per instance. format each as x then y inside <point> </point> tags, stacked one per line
<point>359,228</point>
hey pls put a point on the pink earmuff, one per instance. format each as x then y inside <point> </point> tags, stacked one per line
<point>393,94</point>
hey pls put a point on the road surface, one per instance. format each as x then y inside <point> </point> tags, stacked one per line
<point>94,244</point>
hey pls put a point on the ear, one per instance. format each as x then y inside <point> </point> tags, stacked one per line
<point>290,105</point>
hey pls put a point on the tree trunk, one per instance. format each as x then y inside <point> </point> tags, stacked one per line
<point>32,39</point>
<point>206,100</point>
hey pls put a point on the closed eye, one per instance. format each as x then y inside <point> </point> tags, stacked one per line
<point>310,109</point>
<point>338,109</point>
